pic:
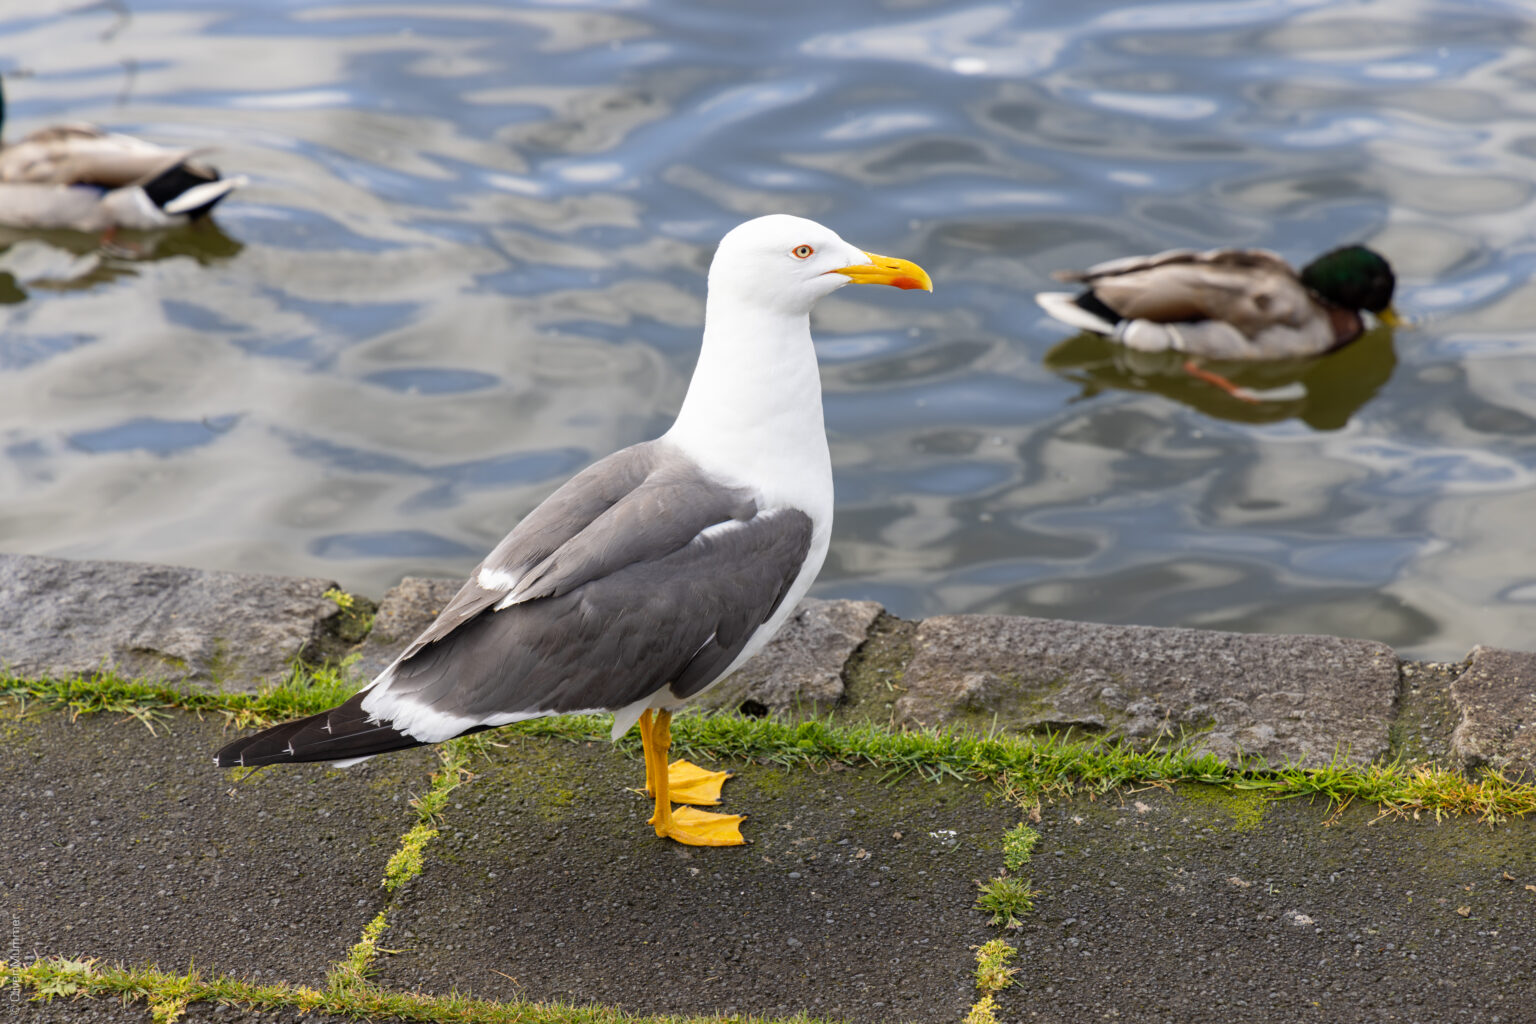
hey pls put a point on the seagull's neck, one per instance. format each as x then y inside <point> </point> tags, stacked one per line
<point>753,409</point>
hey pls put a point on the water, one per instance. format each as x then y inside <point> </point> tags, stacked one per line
<point>470,261</point>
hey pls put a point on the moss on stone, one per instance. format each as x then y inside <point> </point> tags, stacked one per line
<point>872,676</point>
<point>1243,807</point>
<point>772,782</point>
<point>1426,714</point>
<point>355,620</point>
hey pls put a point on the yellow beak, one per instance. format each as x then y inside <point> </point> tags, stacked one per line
<point>1391,318</point>
<point>888,270</point>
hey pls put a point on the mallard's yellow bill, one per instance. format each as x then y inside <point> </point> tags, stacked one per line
<point>888,270</point>
<point>1391,318</point>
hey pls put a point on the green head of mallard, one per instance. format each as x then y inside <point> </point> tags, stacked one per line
<point>1353,277</point>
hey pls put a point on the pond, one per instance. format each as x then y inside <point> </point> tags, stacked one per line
<point>470,260</point>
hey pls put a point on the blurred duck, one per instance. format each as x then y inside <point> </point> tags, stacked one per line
<point>78,177</point>
<point>1240,304</point>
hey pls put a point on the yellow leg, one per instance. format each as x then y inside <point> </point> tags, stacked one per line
<point>648,744</point>
<point>683,824</point>
<point>687,782</point>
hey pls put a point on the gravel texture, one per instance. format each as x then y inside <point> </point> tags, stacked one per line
<point>1206,907</point>
<point>109,1010</point>
<point>853,899</point>
<point>67,1010</point>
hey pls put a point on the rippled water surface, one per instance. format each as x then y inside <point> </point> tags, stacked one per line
<point>471,260</point>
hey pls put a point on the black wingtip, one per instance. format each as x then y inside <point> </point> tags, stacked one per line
<point>1095,305</point>
<point>340,734</point>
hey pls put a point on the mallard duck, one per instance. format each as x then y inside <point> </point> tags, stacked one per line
<point>1229,303</point>
<point>650,575</point>
<point>78,177</point>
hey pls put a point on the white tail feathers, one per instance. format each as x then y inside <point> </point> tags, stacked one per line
<point>206,194</point>
<point>1063,306</point>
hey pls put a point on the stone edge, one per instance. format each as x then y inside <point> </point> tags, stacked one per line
<point>852,656</point>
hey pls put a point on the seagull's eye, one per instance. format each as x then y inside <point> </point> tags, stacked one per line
<point>801,252</point>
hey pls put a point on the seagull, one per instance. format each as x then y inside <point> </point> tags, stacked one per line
<point>651,575</point>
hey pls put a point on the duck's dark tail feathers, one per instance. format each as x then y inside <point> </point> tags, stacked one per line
<point>1085,311</point>
<point>189,188</point>
<point>1095,306</point>
<point>343,733</point>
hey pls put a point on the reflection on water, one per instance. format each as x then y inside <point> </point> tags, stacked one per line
<point>471,260</point>
<point>64,260</point>
<point>1323,393</point>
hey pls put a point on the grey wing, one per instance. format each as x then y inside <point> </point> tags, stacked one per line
<point>668,509</point>
<point>560,517</point>
<point>678,619</point>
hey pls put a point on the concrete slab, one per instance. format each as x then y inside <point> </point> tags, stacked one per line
<point>1299,699</point>
<point>132,847</point>
<point>853,900</point>
<point>1211,907</point>
<point>236,630</point>
<point>548,884</point>
<point>1496,697</point>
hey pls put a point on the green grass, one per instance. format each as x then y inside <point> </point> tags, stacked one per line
<point>1027,768</point>
<point>984,1012</point>
<point>992,971</point>
<point>1007,899</point>
<point>1018,844</point>
<point>355,969</point>
<point>992,976</point>
<point>167,996</point>
<point>406,863</point>
<point>305,691</point>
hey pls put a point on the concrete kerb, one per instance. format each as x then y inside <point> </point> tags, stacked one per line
<point>1289,699</point>
<point>1302,700</point>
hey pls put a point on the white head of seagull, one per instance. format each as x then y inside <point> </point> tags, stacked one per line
<point>783,264</point>
<point>757,376</point>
